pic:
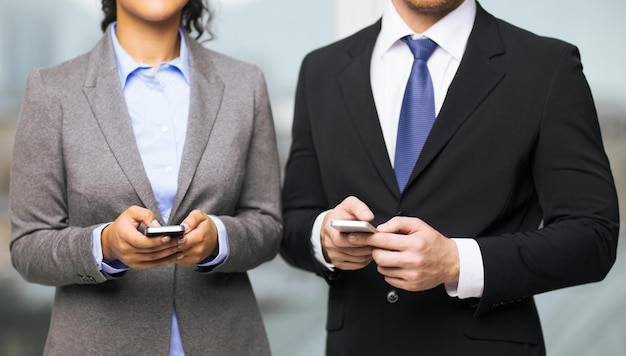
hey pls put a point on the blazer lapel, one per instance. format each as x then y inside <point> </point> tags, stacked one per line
<point>207,91</point>
<point>355,85</point>
<point>104,94</point>
<point>476,77</point>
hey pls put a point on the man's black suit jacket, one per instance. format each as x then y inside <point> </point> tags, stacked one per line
<point>515,146</point>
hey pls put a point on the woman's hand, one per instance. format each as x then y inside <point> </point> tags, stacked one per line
<point>200,239</point>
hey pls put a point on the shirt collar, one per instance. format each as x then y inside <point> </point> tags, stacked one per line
<point>127,65</point>
<point>450,33</point>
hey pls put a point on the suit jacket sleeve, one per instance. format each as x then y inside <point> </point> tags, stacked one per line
<point>302,206</point>
<point>254,231</point>
<point>44,248</point>
<point>575,189</point>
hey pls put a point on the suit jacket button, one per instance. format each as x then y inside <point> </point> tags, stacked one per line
<point>392,296</point>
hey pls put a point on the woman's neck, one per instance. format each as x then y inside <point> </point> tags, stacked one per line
<point>147,42</point>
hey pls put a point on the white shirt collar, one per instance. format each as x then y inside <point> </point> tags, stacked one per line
<point>450,33</point>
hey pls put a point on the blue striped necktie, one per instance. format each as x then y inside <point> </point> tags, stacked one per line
<point>418,110</point>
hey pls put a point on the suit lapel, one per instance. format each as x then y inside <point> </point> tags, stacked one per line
<point>104,94</point>
<point>355,85</point>
<point>476,77</point>
<point>206,97</point>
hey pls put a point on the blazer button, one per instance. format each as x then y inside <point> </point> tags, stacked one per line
<point>392,296</point>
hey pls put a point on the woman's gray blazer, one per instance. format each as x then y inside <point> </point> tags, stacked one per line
<point>76,165</point>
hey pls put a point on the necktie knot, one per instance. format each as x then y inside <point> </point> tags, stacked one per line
<point>421,48</point>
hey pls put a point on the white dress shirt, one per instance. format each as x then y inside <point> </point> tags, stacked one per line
<point>390,69</point>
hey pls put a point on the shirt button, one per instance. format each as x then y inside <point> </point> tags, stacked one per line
<point>163,128</point>
<point>169,169</point>
<point>392,296</point>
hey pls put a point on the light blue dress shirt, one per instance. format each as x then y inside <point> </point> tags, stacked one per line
<point>158,105</point>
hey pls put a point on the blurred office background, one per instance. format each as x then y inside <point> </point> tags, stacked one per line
<point>276,34</point>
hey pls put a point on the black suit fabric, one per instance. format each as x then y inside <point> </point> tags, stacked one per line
<point>515,145</point>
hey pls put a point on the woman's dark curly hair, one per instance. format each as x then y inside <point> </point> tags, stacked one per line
<point>191,19</point>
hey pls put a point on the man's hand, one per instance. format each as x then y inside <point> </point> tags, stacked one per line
<point>122,241</point>
<point>411,254</point>
<point>336,246</point>
<point>200,239</point>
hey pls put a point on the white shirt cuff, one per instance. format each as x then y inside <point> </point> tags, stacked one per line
<point>316,242</point>
<point>471,271</point>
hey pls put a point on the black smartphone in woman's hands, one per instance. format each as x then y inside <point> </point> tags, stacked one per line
<point>167,230</point>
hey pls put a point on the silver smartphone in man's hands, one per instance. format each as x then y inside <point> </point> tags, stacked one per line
<point>353,226</point>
